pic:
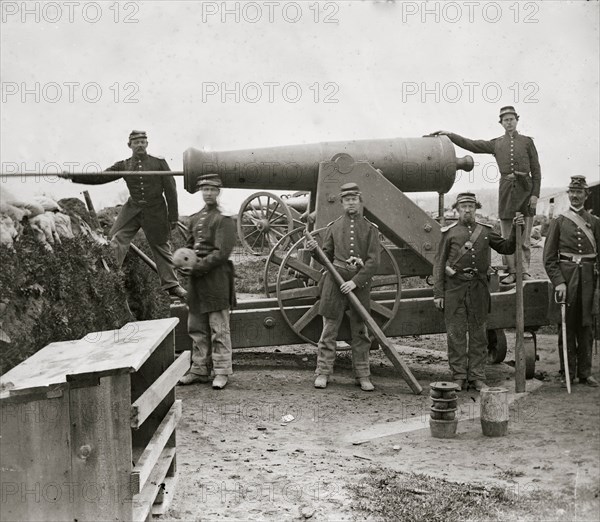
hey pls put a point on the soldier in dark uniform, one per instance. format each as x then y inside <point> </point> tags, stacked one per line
<point>461,288</point>
<point>146,208</point>
<point>572,264</point>
<point>211,292</point>
<point>352,243</point>
<point>520,179</point>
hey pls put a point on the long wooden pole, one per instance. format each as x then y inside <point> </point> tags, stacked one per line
<point>385,343</point>
<point>520,318</point>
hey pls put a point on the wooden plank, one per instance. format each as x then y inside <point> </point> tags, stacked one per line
<point>98,353</point>
<point>381,310</point>
<point>142,503</point>
<point>148,459</point>
<point>166,494</point>
<point>298,293</point>
<point>101,449</point>
<point>147,402</point>
<point>304,269</point>
<point>35,457</point>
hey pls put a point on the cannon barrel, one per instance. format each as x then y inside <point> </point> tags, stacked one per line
<point>426,164</point>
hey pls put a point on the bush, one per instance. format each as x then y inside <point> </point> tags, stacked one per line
<point>65,294</point>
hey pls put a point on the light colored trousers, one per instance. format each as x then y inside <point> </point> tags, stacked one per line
<point>505,227</point>
<point>161,253</point>
<point>361,344</point>
<point>211,338</point>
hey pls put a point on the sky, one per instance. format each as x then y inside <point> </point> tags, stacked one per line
<point>78,76</point>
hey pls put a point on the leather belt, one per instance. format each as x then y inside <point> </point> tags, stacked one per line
<point>345,266</point>
<point>578,258</point>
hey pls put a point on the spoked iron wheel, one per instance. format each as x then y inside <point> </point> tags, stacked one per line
<point>275,258</point>
<point>263,220</point>
<point>298,293</point>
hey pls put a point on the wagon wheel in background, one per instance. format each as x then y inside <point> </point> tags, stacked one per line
<point>275,257</point>
<point>496,346</point>
<point>530,347</point>
<point>263,220</point>
<point>297,286</point>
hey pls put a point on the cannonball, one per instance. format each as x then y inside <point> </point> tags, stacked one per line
<point>184,257</point>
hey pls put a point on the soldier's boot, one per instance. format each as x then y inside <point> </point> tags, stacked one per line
<point>177,292</point>
<point>192,378</point>
<point>477,385</point>
<point>460,383</point>
<point>365,383</point>
<point>590,381</point>
<point>219,382</point>
<point>321,381</point>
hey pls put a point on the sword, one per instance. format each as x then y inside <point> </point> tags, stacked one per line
<point>563,317</point>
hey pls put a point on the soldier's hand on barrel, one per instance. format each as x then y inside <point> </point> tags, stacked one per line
<point>347,287</point>
<point>561,293</point>
<point>519,219</point>
<point>311,245</point>
<point>438,302</point>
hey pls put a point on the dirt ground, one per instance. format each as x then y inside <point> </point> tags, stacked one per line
<point>238,460</point>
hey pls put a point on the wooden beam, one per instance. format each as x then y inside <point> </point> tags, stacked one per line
<point>142,503</point>
<point>149,457</point>
<point>152,397</point>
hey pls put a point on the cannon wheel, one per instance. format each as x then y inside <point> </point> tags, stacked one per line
<point>297,284</point>
<point>263,220</point>
<point>274,260</point>
<point>496,346</point>
<point>530,346</point>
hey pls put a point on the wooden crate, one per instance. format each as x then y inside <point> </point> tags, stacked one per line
<point>88,427</point>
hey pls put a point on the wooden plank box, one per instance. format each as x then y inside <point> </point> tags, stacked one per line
<point>88,427</point>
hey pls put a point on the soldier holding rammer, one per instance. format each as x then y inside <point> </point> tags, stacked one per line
<point>351,242</point>
<point>146,208</point>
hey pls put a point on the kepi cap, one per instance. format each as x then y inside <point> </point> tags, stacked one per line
<point>509,109</point>
<point>578,182</point>
<point>466,197</point>
<point>349,189</point>
<point>136,134</point>
<point>209,180</point>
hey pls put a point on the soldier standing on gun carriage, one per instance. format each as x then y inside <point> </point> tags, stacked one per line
<point>211,292</point>
<point>146,208</point>
<point>351,242</point>
<point>460,289</point>
<point>572,264</point>
<point>520,180</point>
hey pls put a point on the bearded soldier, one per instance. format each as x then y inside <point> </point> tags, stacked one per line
<point>352,243</point>
<point>520,179</point>
<point>460,289</point>
<point>146,208</point>
<point>572,264</point>
<point>211,292</point>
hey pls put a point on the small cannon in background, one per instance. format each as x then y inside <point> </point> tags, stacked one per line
<point>264,218</point>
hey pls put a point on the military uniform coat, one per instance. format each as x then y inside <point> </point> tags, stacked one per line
<point>566,237</point>
<point>212,237</point>
<point>147,196</point>
<point>346,237</point>
<point>456,240</point>
<point>520,172</point>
